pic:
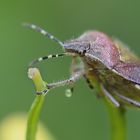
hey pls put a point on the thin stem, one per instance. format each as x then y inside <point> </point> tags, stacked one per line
<point>117,117</point>
<point>117,114</point>
<point>34,112</point>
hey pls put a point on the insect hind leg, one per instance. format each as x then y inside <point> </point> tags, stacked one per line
<point>128,100</point>
<point>109,96</point>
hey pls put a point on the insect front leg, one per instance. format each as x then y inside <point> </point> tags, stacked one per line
<point>76,74</point>
<point>75,67</point>
<point>68,81</point>
<point>73,70</point>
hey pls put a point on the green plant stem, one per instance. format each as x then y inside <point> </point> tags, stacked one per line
<point>35,109</point>
<point>117,115</point>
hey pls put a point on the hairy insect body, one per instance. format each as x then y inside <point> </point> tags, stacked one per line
<point>116,85</point>
<point>116,71</point>
<point>95,45</point>
<point>108,63</point>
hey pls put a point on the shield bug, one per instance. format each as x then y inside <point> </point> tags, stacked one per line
<point>109,61</point>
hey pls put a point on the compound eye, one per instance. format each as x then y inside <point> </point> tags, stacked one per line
<point>84,51</point>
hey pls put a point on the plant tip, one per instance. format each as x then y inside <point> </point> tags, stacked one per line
<point>32,72</point>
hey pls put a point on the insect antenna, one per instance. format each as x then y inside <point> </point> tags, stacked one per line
<point>43,32</point>
<point>46,58</point>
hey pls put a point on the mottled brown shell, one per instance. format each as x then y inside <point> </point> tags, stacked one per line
<point>110,53</point>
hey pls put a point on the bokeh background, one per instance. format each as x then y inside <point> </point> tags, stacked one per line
<point>83,116</point>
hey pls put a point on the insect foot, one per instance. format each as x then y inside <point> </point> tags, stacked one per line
<point>42,92</point>
<point>40,85</point>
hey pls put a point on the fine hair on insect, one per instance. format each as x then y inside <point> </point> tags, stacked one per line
<point>106,60</point>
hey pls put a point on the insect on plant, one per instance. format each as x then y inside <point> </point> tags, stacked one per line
<point>108,61</point>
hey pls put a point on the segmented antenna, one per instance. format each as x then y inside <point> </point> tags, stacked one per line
<point>43,32</point>
<point>46,57</point>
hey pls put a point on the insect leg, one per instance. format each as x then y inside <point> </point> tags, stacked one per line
<point>69,81</point>
<point>46,57</point>
<point>128,100</point>
<point>110,97</point>
<point>74,68</point>
<point>88,82</point>
<point>43,32</point>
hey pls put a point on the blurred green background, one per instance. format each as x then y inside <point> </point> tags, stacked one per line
<point>83,116</point>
